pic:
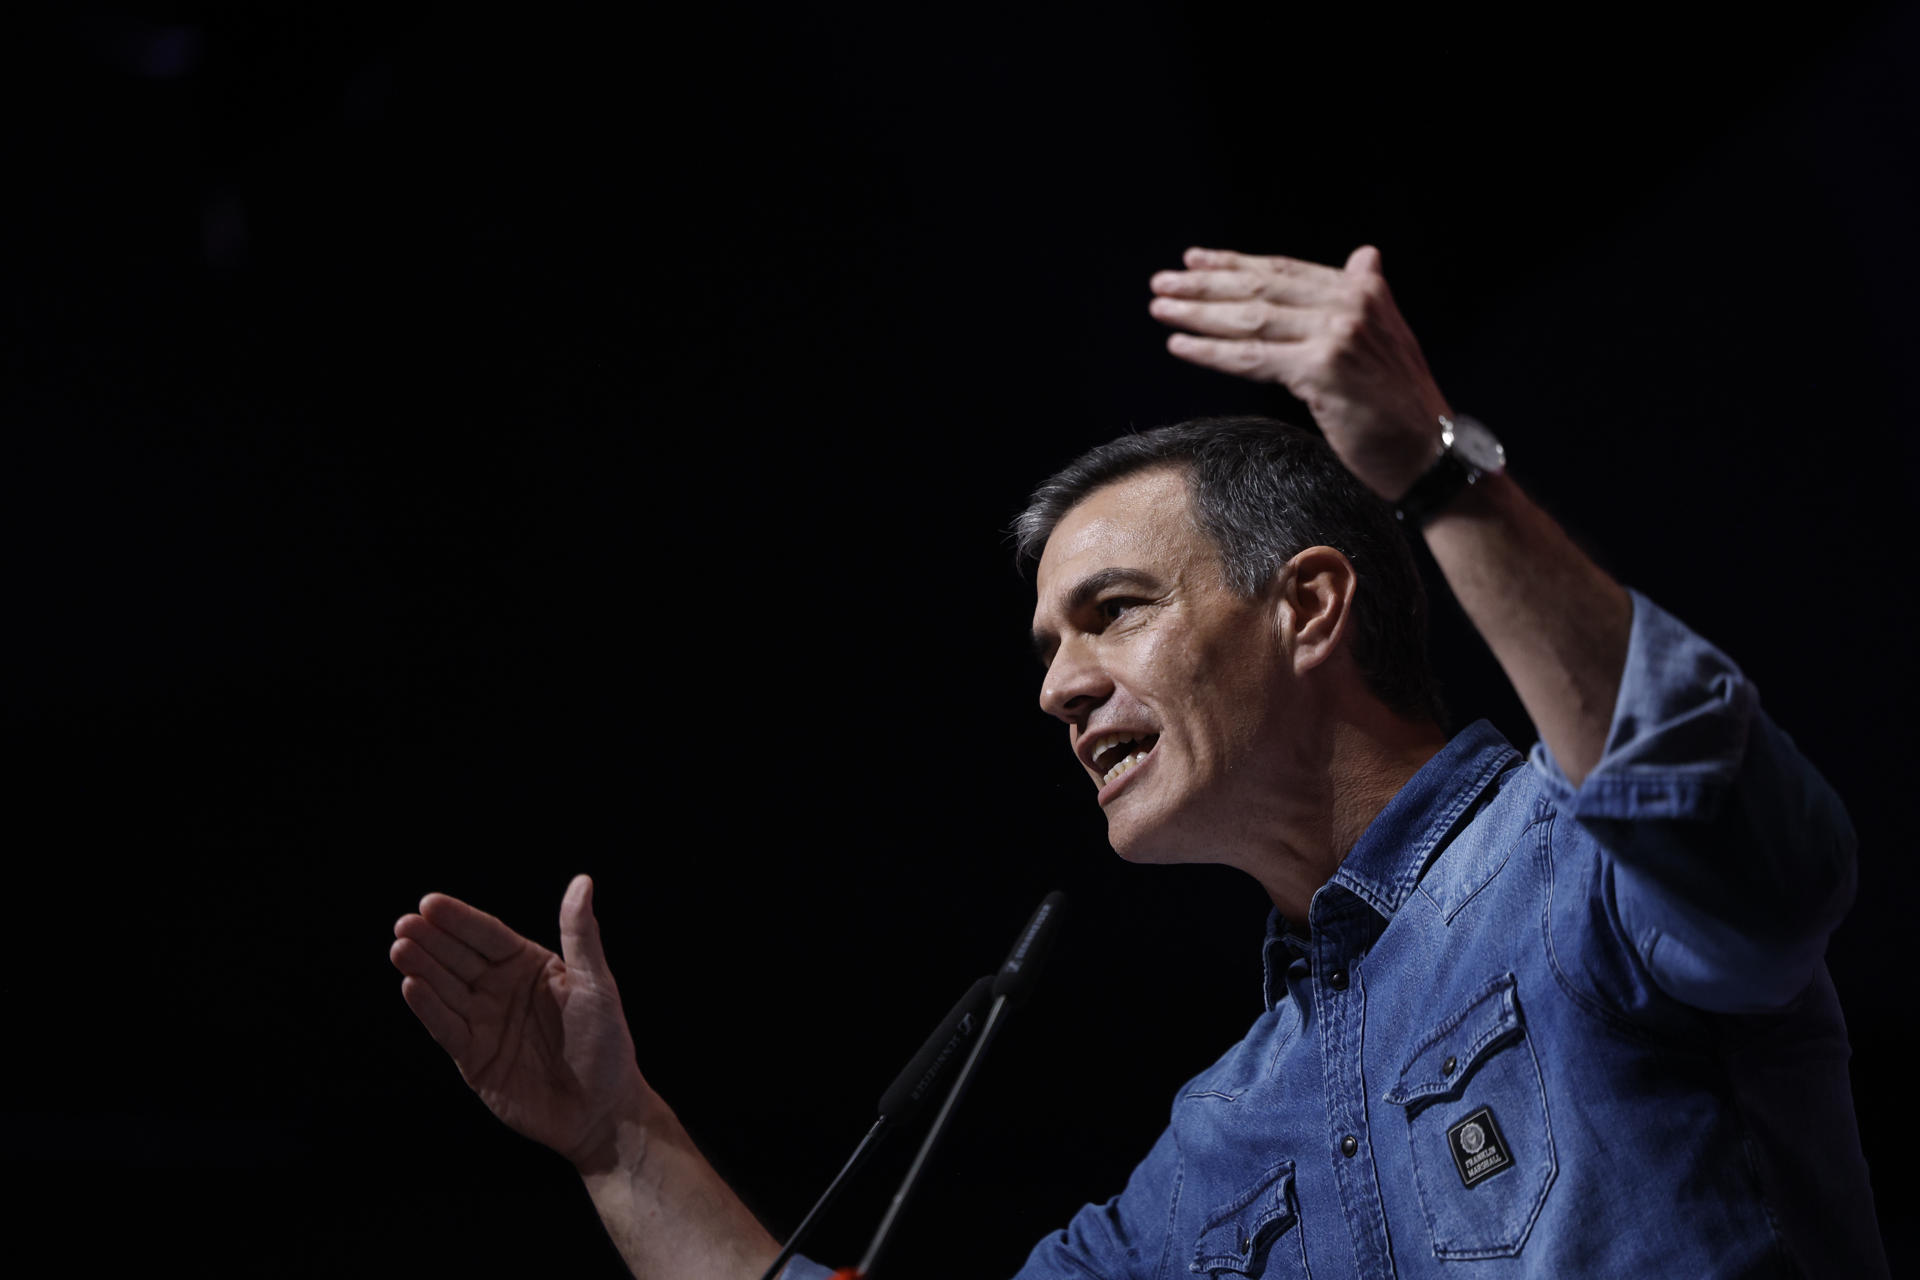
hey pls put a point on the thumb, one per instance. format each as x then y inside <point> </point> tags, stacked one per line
<point>1364,261</point>
<point>579,931</point>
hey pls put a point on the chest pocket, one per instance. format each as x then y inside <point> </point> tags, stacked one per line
<point>1257,1233</point>
<point>1476,1114</point>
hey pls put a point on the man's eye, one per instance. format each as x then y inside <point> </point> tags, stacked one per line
<point>1110,610</point>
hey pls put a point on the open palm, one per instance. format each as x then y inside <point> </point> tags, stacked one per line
<point>540,1037</point>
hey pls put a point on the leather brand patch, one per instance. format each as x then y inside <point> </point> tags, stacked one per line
<point>1479,1149</point>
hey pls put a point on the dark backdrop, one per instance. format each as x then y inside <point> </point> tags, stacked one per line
<point>454,452</point>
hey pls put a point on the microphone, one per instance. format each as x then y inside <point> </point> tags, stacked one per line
<point>1011,986</point>
<point>902,1100</point>
<point>1021,969</point>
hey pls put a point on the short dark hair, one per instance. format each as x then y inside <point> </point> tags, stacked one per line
<point>1263,491</point>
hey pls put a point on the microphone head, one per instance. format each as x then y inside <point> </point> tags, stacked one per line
<point>911,1087</point>
<point>1022,966</point>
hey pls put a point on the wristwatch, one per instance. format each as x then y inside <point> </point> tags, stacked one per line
<point>1468,451</point>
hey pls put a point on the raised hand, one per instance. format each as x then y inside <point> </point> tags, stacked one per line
<point>540,1037</point>
<point>1332,336</point>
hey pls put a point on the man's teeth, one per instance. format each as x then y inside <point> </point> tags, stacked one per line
<point>1126,762</point>
<point>1121,752</point>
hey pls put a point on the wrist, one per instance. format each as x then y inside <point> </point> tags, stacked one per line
<point>667,1210</point>
<point>1466,454</point>
<point>619,1143</point>
<point>1392,457</point>
<point>1493,498</point>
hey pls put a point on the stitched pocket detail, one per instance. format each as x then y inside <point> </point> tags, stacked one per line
<point>1257,1233</point>
<point>1477,1127</point>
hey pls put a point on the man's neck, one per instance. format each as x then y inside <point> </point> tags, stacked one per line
<point>1361,762</point>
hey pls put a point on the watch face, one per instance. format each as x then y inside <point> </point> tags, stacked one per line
<point>1476,445</point>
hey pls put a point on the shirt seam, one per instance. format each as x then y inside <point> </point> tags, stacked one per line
<point>1619,1020</point>
<point>1165,1271</point>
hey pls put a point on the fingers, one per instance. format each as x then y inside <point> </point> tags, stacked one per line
<point>1212,285</point>
<point>1248,319</point>
<point>454,955</point>
<point>485,934</point>
<point>1224,294</point>
<point>1198,259</point>
<point>414,960</point>
<point>1215,274</point>
<point>1254,316</point>
<point>580,931</point>
<point>1274,270</point>
<point>448,1028</point>
<point>1243,357</point>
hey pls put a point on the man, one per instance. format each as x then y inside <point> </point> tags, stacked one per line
<point>1565,1016</point>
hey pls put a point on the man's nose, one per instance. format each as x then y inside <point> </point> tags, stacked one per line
<point>1074,683</point>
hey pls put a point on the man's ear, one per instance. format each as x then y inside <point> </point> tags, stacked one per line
<point>1316,603</point>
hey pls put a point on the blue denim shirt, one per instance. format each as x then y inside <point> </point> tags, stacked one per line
<point>1537,1029</point>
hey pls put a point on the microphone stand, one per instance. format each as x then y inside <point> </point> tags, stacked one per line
<point>867,1146</point>
<point>902,1101</point>
<point>960,1082</point>
<point>1011,985</point>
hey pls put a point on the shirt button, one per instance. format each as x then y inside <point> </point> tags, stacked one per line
<point>1349,1145</point>
<point>1339,979</point>
<point>1446,1068</point>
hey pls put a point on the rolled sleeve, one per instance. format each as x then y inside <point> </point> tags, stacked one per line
<point>1730,857</point>
<point>1678,734</point>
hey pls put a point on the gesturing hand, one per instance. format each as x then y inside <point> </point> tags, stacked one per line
<point>1331,336</point>
<point>540,1037</point>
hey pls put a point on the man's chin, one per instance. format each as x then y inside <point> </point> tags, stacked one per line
<point>1146,842</point>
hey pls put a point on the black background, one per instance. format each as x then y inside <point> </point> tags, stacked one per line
<point>448,451</point>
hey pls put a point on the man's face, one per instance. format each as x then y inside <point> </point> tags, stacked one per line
<point>1169,683</point>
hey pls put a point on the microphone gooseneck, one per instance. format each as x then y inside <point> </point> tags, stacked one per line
<point>902,1100</point>
<point>1011,986</point>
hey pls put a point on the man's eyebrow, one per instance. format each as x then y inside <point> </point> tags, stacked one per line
<point>1084,593</point>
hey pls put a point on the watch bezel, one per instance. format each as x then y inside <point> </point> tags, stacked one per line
<point>1469,440</point>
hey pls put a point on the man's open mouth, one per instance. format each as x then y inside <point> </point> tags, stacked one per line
<point>1115,753</point>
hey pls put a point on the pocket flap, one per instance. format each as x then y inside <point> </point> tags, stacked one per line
<point>1236,1236</point>
<point>1446,1059</point>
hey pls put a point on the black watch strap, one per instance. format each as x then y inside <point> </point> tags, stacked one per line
<point>1440,485</point>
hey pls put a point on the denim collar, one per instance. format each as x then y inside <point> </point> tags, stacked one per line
<point>1394,851</point>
